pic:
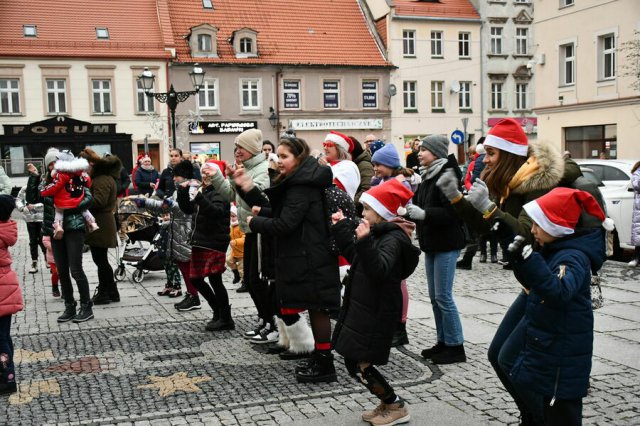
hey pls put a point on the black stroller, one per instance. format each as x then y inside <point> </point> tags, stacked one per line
<point>140,244</point>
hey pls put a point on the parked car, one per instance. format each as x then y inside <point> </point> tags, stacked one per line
<point>610,172</point>
<point>619,200</point>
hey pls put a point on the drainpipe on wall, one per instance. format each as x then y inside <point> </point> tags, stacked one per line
<point>482,94</point>
<point>277,102</point>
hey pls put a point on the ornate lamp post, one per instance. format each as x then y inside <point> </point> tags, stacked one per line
<point>172,98</point>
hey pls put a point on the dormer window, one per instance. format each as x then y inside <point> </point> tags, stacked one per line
<point>30,30</point>
<point>203,41</point>
<point>245,43</point>
<point>207,4</point>
<point>102,33</point>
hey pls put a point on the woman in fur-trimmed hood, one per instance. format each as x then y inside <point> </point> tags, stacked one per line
<point>516,173</point>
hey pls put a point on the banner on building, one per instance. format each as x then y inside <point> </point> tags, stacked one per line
<point>338,124</point>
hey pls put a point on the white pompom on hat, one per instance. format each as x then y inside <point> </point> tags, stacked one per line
<point>388,199</point>
<point>558,211</point>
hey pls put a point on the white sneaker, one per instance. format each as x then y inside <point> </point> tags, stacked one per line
<point>266,335</point>
<point>34,268</point>
<point>633,263</point>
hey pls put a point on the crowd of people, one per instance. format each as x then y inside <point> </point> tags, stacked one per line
<point>331,234</point>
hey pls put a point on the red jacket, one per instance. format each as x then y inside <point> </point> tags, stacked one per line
<point>67,188</point>
<point>467,176</point>
<point>10,294</point>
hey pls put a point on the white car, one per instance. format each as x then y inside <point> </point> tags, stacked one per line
<point>611,172</point>
<point>619,200</point>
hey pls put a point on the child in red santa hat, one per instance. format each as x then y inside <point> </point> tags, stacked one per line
<point>550,366</point>
<point>381,256</point>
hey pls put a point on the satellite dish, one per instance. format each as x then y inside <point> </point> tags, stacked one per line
<point>392,90</point>
<point>455,86</point>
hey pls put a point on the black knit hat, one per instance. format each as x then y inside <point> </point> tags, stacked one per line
<point>183,169</point>
<point>7,204</point>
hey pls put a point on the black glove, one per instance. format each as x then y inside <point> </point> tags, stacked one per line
<point>519,249</point>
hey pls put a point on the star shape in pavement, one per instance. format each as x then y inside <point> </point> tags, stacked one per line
<point>176,382</point>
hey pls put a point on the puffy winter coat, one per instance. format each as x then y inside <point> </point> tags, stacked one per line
<point>258,169</point>
<point>373,299</point>
<point>549,173</point>
<point>66,187</point>
<point>144,178</point>
<point>556,358</point>
<point>73,219</point>
<point>33,215</point>
<point>210,217</point>
<point>469,171</point>
<point>237,242</point>
<point>104,174</point>
<point>306,270</point>
<point>10,294</point>
<point>441,231</point>
<point>365,167</point>
<point>179,227</point>
<point>635,219</point>
<point>5,182</point>
<point>478,167</point>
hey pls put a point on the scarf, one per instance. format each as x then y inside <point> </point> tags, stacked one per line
<point>528,169</point>
<point>148,168</point>
<point>434,168</point>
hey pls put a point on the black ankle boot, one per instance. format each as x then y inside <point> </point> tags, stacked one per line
<point>224,322</point>
<point>400,336</point>
<point>450,355</point>
<point>428,353</point>
<point>320,369</point>
<point>236,276</point>
<point>85,314</point>
<point>464,264</point>
<point>69,312</point>
<point>101,297</point>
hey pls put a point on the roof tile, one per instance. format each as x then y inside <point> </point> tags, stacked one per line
<point>442,9</point>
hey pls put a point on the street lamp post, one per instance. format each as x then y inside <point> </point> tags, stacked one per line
<point>172,98</point>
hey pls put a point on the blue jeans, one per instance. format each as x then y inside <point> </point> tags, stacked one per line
<point>7,369</point>
<point>505,347</point>
<point>441,269</point>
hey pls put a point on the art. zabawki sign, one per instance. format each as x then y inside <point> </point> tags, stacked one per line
<point>337,124</point>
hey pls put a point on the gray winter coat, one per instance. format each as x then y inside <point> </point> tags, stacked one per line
<point>5,182</point>
<point>180,227</point>
<point>635,219</point>
<point>33,215</point>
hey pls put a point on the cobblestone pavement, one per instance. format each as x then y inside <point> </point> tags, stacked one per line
<point>142,362</point>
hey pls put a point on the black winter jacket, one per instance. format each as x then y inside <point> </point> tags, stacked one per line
<point>373,299</point>
<point>166,187</point>
<point>441,231</point>
<point>210,220</point>
<point>306,270</point>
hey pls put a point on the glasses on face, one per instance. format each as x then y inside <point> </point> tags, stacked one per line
<point>328,144</point>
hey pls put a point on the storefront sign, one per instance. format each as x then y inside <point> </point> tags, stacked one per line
<point>337,124</point>
<point>59,127</point>
<point>221,127</point>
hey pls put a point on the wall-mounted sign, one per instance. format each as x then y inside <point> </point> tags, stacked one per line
<point>337,124</point>
<point>291,91</point>
<point>221,127</point>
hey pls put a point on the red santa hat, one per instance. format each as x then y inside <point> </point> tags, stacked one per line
<point>220,165</point>
<point>388,199</point>
<point>343,141</point>
<point>507,135</point>
<point>558,211</point>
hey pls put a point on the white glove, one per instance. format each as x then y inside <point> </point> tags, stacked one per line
<point>414,212</point>
<point>479,197</point>
<point>448,184</point>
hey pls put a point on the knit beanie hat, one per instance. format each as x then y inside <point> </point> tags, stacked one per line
<point>375,146</point>
<point>343,141</point>
<point>347,173</point>
<point>507,135</point>
<point>558,211</point>
<point>250,140</point>
<point>438,145</point>
<point>388,199</point>
<point>183,169</point>
<point>7,204</point>
<point>51,156</point>
<point>387,156</point>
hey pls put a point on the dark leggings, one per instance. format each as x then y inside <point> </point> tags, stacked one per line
<point>321,328</point>
<point>258,288</point>
<point>67,253</point>
<point>100,256</point>
<point>35,239</point>
<point>214,293</point>
<point>369,376</point>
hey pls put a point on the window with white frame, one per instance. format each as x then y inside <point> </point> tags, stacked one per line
<point>29,30</point>
<point>246,45</point>
<point>204,42</point>
<point>522,1</point>
<point>464,95</point>
<point>522,41</point>
<point>250,89</point>
<point>564,3</point>
<point>464,45</point>
<point>56,96</point>
<point>409,95</point>
<point>291,92</point>
<point>607,56</point>
<point>521,96</point>
<point>409,43</point>
<point>437,87</point>
<point>436,44</point>
<point>331,94</point>
<point>101,92</point>
<point>9,96</point>
<point>496,96</point>
<point>370,94</point>
<point>567,64</point>
<point>102,33</point>
<point>145,103</point>
<point>496,40</point>
<point>207,96</point>
<point>207,4</point>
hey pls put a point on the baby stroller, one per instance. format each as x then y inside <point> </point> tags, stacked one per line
<point>140,245</point>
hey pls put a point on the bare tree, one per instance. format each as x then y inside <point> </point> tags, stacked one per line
<point>631,66</point>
